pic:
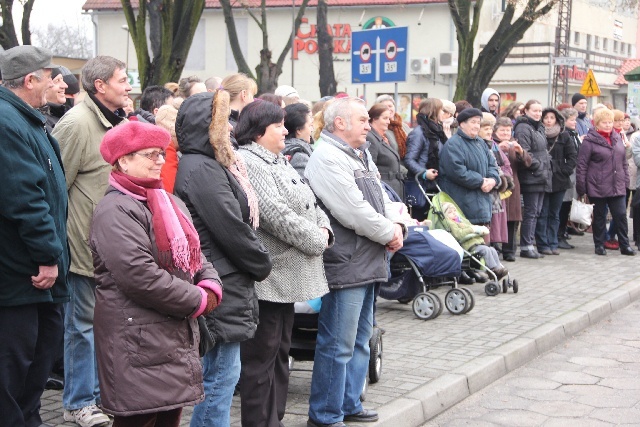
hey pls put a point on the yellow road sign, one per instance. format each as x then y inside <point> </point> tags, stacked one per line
<point>590,86</point>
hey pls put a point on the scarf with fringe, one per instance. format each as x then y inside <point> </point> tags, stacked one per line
<point>176,238</point>
<point>223,150</point>
<point>395,126</point>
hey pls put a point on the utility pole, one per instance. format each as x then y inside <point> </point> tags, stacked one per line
<point>563,38</point>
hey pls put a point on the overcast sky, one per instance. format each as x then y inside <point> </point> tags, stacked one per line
<point>51,11</point>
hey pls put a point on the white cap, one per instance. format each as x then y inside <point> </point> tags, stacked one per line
<point>287,92</point>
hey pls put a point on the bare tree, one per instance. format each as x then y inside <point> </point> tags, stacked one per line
<point>473,78</point>
<point>267,72</point>
<point>8,35</point>
<point>172,24</point>
<point>71,41</point>
<point>328,83</point>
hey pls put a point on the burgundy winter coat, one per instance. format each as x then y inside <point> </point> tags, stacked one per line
<point>602,169</point>
<point>146,338</point>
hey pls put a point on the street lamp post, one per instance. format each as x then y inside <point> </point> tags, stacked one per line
<point>126,28</point>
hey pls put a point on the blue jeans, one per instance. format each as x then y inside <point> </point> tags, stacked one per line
<point>549,221</point>
<point>80,367</point>
<point>221,373</point>
<point>342,354</point>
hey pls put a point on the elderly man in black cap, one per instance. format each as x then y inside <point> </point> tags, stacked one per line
<point>34,256</point>
<point>468,170</point>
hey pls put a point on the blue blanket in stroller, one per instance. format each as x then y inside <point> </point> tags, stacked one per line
<point>432,257</point>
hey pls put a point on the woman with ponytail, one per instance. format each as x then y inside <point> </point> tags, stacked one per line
<point>212,180</point>
<point>152,283</point>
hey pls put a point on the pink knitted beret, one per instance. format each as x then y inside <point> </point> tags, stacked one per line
<point>131,137</point>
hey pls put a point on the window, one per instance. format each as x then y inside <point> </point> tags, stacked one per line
<point>589,46</point>
<point>197,52</point>
<point>622,48</point>
<point>605,44</point>
<point>576,38</point>
<point>615,46</point>
<point>629,50</point>
<point>596,44</point>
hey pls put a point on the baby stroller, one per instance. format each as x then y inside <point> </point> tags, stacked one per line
<point>471,262</point>
<point>422,263</point>
<point>303,341</point>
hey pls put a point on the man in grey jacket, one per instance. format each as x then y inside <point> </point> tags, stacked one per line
<point>347,185</point>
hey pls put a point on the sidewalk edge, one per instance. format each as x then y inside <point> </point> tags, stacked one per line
<point>431,399</point>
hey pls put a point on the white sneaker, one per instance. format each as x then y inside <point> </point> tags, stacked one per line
<point>89,416</point>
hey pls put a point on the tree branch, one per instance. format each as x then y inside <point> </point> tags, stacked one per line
<point>241,62</point>
<point>8,37</point>
<point>297,22</point>
<point>26,16</point>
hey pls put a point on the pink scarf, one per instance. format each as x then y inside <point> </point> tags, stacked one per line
<point>176,238</point>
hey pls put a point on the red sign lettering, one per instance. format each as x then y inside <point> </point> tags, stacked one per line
<point>304,41</point>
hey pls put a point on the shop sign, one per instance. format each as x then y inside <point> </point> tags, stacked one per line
<point>307,39</point>
<point>573,73</point>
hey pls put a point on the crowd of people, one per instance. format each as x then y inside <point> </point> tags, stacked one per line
<point>152,256</point>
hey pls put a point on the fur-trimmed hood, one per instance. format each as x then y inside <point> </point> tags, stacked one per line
<point>199,133</point>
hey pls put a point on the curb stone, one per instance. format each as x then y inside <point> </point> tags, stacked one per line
<point>446,391</point>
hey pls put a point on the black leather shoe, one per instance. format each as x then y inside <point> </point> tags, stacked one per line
<point>478,276</point>
<point>530,254</point>
<point>509,257</point>
<point>465,279</point>
<point>574,232</point>
<point>545,252</point>
<point>600,250</point>
<point>365,416</point>
<point>311,423</point>
<point>563,244</point>
<point>627,251</point>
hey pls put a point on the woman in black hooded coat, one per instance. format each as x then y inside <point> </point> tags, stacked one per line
<point>563,162</point>
<point>213,183</point>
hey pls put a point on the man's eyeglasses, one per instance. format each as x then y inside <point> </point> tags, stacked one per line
<point>154,155</point>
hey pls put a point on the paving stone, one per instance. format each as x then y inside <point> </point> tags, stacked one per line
<point>582,422</point>
<point>515,417</point>
<point>614,401</point>
<point>592,361</point>
<point>561,409</point>
<point>532,383</point>
<point>617,416</point>
<point>566,377</point>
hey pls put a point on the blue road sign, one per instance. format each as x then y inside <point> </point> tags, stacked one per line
<point>379,55</point>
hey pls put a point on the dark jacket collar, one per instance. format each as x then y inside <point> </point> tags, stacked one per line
<point>113,117</point>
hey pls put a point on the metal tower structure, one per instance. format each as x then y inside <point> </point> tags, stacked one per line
<point>563,37</point>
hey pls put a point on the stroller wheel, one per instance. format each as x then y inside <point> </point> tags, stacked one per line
<point>375,357</point>
<point>404,300</point>
<point>491,289</point>
<point>425,306</point>
<point>472,298</point>
<point>436,298</point>
<point>457,301</point>
<point>505,285</point>
<point>515,286</point>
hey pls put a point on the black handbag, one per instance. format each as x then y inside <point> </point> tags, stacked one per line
<point>413,195</point>
<point>207,342</point>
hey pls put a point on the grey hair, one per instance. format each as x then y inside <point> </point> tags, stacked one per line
<point>18,83</point>
<point>340,107</point>
<point>569,112</point>
<point>99,68</point>
<point>384,98</point>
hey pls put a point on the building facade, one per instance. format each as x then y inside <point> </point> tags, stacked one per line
<point>604,38</point>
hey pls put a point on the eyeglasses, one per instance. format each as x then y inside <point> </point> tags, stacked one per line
<point>154,155</point>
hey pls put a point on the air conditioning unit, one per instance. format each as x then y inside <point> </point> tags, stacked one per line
<point>448,63</point>
<point>420,66</point>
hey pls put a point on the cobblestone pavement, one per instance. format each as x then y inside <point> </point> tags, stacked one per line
<point>590,380</point>
<point>430,366</point>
